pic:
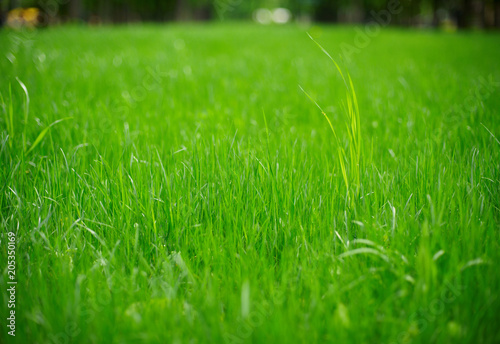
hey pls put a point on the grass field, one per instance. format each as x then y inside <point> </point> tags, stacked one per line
<point>196,194</point>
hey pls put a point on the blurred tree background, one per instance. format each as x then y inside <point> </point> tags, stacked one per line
<point>419,13</point>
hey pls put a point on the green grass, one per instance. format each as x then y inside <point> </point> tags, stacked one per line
<point>195,194</point>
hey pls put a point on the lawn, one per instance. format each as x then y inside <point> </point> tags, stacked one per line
<point>193,193</point>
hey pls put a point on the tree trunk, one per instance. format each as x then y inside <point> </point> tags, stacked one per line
<point>482,15</point>
<point>497,14</point>
<point>327,11</point>
<point>75,9</point>
<point>5,6</point>
<point>464,15</point>
<point>2,15</point>
<point>182,10</point>
<point>435,17</point>
<point>104,11</point>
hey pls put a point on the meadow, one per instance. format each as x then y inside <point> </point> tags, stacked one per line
<point>174,184</point>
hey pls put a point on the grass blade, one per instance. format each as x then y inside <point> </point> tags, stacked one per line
<point>26,109</point>
<point>44,132</point>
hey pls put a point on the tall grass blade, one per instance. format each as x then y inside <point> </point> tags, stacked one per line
<point>44,132</point>
<point>9,115</point>
<point>26,109</point>
<point>351,173</point>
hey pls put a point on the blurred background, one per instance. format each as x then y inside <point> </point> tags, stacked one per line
<point>446,14</point>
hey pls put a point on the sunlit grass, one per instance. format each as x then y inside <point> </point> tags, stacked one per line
<point>196,194</point>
